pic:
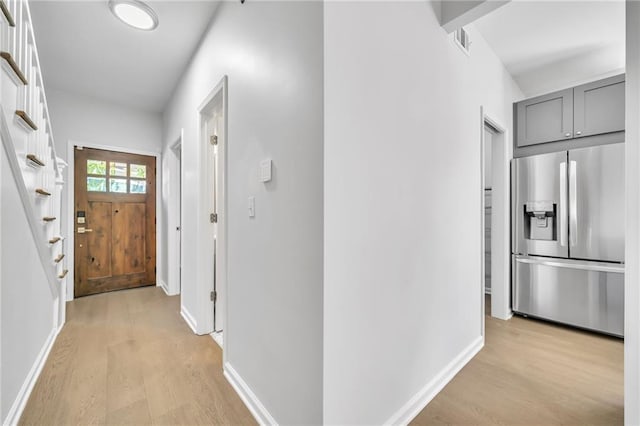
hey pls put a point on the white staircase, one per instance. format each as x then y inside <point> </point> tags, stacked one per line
<point>33,265</point>
<point>27,137</point>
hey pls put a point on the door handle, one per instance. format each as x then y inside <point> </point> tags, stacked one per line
<point>83,230</point>
<point>573,204</point>
<point>563,204</point>
<point>583,266</point>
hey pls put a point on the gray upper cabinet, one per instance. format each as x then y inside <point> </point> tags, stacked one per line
<point>545,118</point>
<point>593,109</point>
<point>598,107</point>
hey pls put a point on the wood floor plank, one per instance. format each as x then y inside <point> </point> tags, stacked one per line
<point>127,357</point>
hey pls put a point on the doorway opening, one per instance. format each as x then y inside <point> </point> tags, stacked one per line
<point>495,288</point>
<point>114,221</point>
<point>489,131</point>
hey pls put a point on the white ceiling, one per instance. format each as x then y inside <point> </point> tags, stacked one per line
<point>84,49</point>
<point>548,45</point>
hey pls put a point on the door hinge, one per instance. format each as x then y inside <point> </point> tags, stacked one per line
<point>214,296</point>
<point>213,217</point>
<point>213,139</point>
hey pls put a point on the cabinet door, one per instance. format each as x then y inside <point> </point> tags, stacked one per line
<point>545,118</point>
<point>599,107</point>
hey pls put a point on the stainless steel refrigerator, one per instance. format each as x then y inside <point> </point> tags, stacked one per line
<point>568,237</point>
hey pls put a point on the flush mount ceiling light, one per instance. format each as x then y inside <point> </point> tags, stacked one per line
<point>134,13</point>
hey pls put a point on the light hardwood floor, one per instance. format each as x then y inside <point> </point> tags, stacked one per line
<point>534,373</point>
<point>128,357</point>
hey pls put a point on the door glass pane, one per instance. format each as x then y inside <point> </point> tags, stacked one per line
<point>117,169</point>
<point>138,171</point>
<point>138,187</point>
<point>118,185</point>
<point>96,167</point>
<point>96,184</point>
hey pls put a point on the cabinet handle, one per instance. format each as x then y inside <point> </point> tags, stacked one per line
<point>567,135</point>
<point>578,133</point>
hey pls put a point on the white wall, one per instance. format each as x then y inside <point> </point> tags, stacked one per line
<point>272,54</point>
<point>27,310</point>
<point>632,234</point>
<point>402,205</point>
<point>565,74</point>
<point>82,119</point>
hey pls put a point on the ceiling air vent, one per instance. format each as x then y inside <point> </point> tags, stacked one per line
<point>461,37</point>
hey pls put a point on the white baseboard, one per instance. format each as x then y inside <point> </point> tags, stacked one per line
<point>218,338</point>
<point>420,400</point>
<point>189,319</point>
<point>165,287</point>
<point>250,399</point>
<point>13,416</point>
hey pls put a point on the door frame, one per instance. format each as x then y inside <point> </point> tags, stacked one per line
<point>502,151</point>
<point>218,95</point>
<point>71,194</point>
<point>174,216</point>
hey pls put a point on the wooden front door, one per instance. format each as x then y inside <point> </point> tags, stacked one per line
<point>115,221</point>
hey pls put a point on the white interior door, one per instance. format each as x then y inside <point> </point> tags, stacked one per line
<point>214,126</point>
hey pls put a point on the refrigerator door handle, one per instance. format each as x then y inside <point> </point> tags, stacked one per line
<point>573,204</point>
<point>563,204</point>
<point>585,266</point>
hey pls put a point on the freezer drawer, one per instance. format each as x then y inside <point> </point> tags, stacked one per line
<point>583,294</point>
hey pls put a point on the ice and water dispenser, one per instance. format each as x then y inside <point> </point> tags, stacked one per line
<point>540,220</point>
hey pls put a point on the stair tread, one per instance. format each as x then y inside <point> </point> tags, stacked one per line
<point>7,13</point>
<point>14,66</point>
<point>25,117</point>
<point>34,158</point>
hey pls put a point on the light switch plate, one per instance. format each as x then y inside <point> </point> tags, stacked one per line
<point>265,171</point>
<point>252,206</point>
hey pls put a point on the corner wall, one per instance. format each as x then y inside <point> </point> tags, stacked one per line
<point>272,53</point>
<point>402,291</point>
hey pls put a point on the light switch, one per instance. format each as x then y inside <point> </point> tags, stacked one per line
<point>252,206</point>
<point>265,171</point>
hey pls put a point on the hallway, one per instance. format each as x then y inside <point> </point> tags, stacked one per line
<point>127,357</point>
